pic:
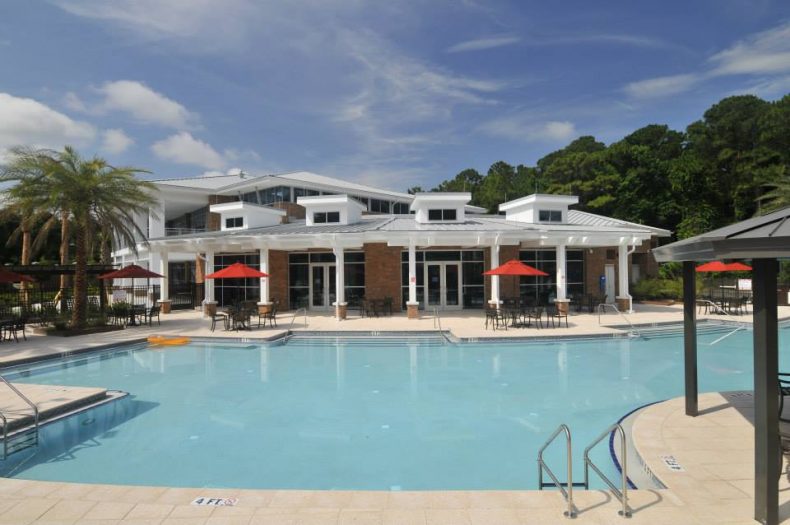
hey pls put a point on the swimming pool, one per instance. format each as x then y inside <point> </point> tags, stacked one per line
<point>378,414</point>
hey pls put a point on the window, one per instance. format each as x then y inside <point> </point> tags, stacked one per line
<point>550,216</point>
<point>472,269</point>
<point>322,217</point>
<point>442,215</point>
<point>304,192</point>
<point>275,194</point>
<point>379,206</point>
<point>234,222</point>
<point>401,208</point>
<point>540,289</point>
<point>232,291</point>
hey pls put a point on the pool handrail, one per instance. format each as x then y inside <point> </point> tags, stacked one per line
<point>620,493</point>
<point>296,312</point>
<point>741,324</point>
<point>602,307</point>
<point>566,493</point>
<point>27,401</point>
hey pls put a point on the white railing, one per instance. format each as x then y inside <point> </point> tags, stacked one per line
<point>296,312</point>
<point>602,307</point>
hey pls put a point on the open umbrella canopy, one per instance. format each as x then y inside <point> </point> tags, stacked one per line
<point>515,267</point>
<point>131,272</point>
<point>7,276</point>
<point>738,267</point>
<point>713,266</point>
<point>237,270</point>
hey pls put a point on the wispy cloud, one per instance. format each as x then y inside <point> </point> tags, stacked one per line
<point>526,128</point>
<point>143,104</point>
<point>662,86</point>
<point>766,53</point>
<point>601,38</point>
<point>480,44</point>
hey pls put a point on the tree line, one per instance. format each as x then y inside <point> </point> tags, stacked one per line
<point>728,166</point>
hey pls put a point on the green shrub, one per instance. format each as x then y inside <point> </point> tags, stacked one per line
<point>658,289</point>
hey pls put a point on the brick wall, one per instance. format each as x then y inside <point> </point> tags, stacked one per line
<point>383,272</point>
<point>293,210</point>
<point>278,282</point>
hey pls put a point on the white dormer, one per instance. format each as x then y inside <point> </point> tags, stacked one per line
<point>331,209</point>
<point>243,215</point>
<point>539,208</point>
<point>439,207</point>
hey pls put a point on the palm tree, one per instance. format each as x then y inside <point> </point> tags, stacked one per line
<point>778,197</point>
<point>84,192</point>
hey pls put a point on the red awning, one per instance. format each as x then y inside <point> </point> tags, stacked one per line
<point>237,271</point>
<point>131,272</point>
<point>516,267</point>
<point>7,276</point>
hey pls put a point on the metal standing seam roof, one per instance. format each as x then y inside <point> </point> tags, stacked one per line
<point>767,236</point>
<point>406,223</point>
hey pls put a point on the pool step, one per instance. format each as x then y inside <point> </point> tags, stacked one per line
<point>21,440</point>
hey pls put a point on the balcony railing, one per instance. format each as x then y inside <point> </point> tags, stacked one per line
<point>169,232</point>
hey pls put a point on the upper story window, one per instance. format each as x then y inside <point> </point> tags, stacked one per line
<point>304,192</point>
<point>322,217</point>
<point>379,206</point>
<point>234,222</point>
<point>275,194</point>
<point>401,208</point>
<point>550,216</point>
<point>442,215</point>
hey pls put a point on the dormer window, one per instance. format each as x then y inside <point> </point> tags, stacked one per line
<point>323,217</point>
<point>550,216</point>
<point>234,222</point>
<point>442,214</point>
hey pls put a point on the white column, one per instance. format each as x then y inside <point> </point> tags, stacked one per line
<point>412,274</point>
<point>340,285</point>
<point>156,220</point>
<point>562,282</point>
<point>264,267</point>
<point>494,301</point>
<point>209,283</point>
<point>164,293</point>
<point>622,275</point>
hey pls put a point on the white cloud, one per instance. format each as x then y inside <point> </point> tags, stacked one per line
<point>24,121</point>
<point>183,148</point>
<point>484,43</point>
<point>73,102</point>
<point>661,86</point>
<point>524,128</point>
<point>143,104</point>
<point>115,141</point>
<point>764,53</point>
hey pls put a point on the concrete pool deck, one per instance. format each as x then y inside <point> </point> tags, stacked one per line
<point>714,449</point>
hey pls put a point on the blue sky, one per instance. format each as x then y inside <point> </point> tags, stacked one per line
<point>394,94</point>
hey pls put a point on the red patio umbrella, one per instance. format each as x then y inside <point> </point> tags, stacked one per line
<point>132,272</point>
<point>515,267</point>
<point>713,266</point>
<point>738,267</point>
<point>237,270</point>
<point>7,276</point>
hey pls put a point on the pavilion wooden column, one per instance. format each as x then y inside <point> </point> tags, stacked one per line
<point>767,458</point>
<point>690,336</point>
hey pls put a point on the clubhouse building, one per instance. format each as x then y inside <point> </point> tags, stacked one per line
<point>326,243</point>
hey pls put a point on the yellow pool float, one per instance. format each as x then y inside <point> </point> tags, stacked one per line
<point>170,341</point>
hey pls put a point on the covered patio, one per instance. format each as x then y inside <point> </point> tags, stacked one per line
<point>763,240</point>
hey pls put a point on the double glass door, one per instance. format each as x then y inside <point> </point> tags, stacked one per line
<point>322,286</point>
<point>443,285</point>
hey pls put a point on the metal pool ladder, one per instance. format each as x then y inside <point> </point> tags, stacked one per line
<point>22,439</point>
<point>620,493</point>
<point>296,312</point>
<point>721,310</point>
<point>565,488</point>
<point>602,308</point>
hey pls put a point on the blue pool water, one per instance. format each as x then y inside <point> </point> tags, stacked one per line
<point>357,414</point>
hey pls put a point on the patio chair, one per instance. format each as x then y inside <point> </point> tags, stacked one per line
<point>219,316</point>
<point>555,313</point>
<point>151,313</point>
<point>270,316</point>
<point>12,328</point>
<point>387,305</point>
<point>536,314</point>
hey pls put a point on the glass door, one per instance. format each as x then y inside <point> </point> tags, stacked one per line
<point>322,286</point>
<point>443,285</point>
<point>433,283</point>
